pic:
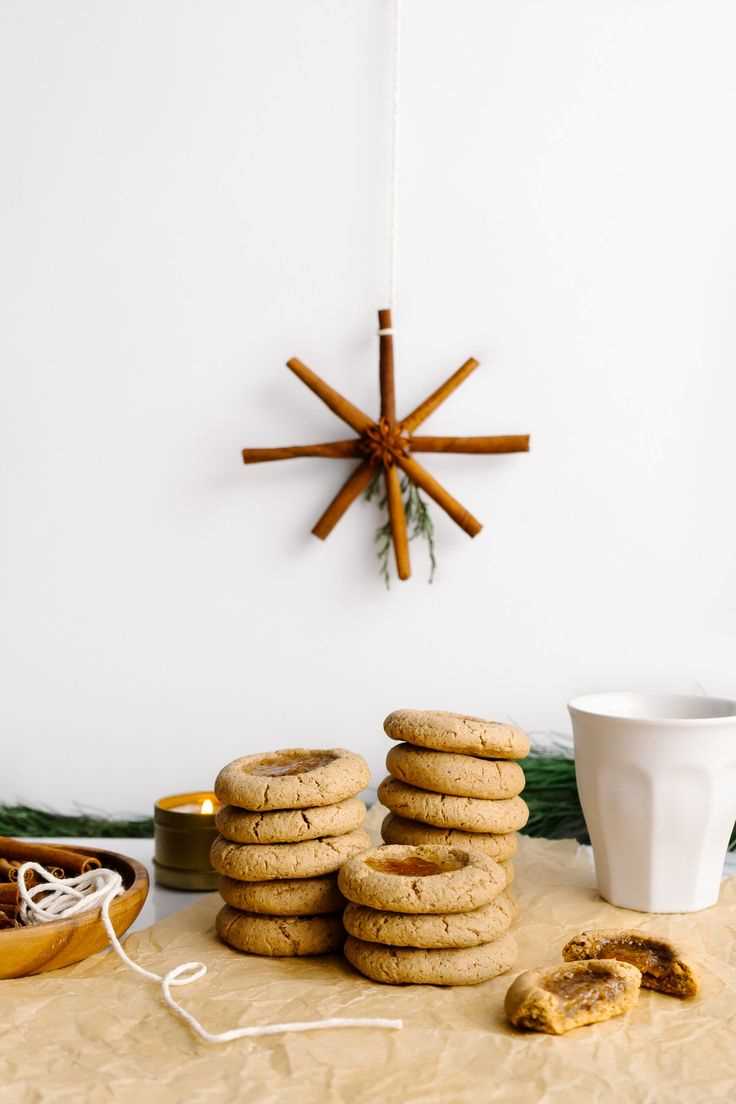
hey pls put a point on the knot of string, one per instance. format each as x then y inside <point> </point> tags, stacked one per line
<point>54,898</point>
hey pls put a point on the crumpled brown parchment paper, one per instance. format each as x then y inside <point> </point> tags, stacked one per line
<point>97,1033</point>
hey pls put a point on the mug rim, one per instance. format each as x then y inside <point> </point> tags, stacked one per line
<point>582,704</point>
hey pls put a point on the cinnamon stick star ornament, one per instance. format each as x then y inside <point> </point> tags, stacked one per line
<point>388,443</point>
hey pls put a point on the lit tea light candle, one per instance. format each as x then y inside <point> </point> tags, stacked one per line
<point>204,808</point>
<point>184,830</point>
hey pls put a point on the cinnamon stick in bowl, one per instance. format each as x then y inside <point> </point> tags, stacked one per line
<point>8,895</point>
<point>72,861</point>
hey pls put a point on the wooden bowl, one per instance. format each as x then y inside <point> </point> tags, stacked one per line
<point>42,947</point>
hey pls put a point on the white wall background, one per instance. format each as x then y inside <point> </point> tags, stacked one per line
<point>192,192</point>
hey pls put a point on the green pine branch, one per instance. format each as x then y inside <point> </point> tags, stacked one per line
<point>25,820</point>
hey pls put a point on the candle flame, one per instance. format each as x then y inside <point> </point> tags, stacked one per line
<point>207,807</point>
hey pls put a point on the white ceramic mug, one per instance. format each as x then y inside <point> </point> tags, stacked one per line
<point>656,775</point>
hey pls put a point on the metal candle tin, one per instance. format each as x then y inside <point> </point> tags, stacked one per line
<point>183,841</point>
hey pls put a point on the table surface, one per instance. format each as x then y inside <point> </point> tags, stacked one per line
<point>96,1028</point>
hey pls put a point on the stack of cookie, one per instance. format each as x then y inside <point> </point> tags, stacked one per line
<point>289,820</point>
<point>429,915</point>
<point>453,780</point>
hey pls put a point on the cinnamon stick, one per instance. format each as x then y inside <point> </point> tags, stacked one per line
<point>7,918</point>
<point>337,403</point>
<point>71,861</point>
<point>354,485</point>
<point>334,450</point>
<point>443,498</point>
<point>30,878</point>
<point>397,518</point>
<point>430,404</point>
<point>386,368</point>
<point>8,895</point>
<point>9,872</point>
<point>519,443</point>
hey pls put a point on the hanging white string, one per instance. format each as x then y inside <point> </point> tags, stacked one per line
<point>58,898</point>
<point>393,219</point>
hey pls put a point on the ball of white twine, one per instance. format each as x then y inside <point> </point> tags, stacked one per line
<point>60,898</point>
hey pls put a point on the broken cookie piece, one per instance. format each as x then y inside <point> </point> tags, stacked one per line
<point>660,962</point>
<point>578,993</point>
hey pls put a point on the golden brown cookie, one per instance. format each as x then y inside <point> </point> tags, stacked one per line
<point>262,862</point>
<point>448,966</point>
<point>293,778</point>
<point>564,997</point>
<point>458,733</point>
<point>661,963</point>
<point>290,825</point>
<point>279,935</point>
<point>447,929</point>
<point>284,897</point>
<point>462,775</point>
<point>396,829</point>
<point>433,879</point>
<point>469,814</point>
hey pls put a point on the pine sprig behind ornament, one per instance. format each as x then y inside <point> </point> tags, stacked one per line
<point>418,519</point>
